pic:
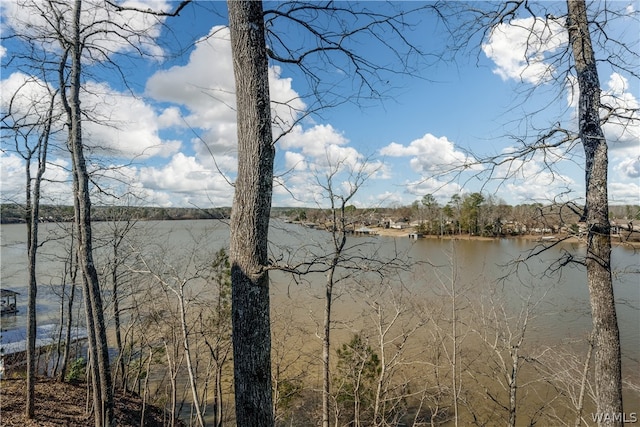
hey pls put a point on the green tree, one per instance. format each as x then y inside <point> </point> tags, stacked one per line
<point>357,371</point>
<point>217,330</point>
<point>470,212</point>
<point>432,212</point>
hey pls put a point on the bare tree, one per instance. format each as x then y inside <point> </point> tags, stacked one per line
<point>63,37</point>
<point>253,187</point>
<point>575,61</point>
<point>216,330</point>
<point>292,364</point>
<point>395,317</point>
<point>31,131</point>
<point>176,281</point>
<point>606,335</point>
<point>504,335</point>
<point>338,257</point>
<point>569,371</point>
<point>342,260</point>
<point>250,217</point>
<point>70,278</point>
<point>452,339</point>
<point>117,262</point>
<point>103,394</point>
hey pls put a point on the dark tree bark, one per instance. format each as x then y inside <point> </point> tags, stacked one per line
<point>598,260</point>
<point>250,217</point>
<point>33,215</point>
<point>103,396</point>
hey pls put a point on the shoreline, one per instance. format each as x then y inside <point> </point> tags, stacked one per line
<point>556,238</point>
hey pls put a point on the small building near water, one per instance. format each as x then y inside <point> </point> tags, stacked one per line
<point>8,299</point>
<point>365,231</point>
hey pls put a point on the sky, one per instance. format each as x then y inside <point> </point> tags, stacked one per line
<point>163,131</point>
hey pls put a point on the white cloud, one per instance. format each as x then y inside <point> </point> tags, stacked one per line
<point>316,154</point>
<point>386,198</point>
<point>3,51</point>
<point>25,97</point>
<point>187,182</point>
<point>322,146</point>
<point>182,174</point>
<point>314,140</point>
<point>12,173</point>
<point>441,190</point>
<point>122,125</point>
<point>430,154</point>
<point>56,185</point>
<point>170,117</point>
<point>519,48</point>
<point>205,87</point>
<point>539,177</point>
<point>630,167</point>
<point>545,188</point>
<point>622,128</point>
<point>624,193</point>
<point>125,126</point>
<point>630,9</point>
<point>111,31</point>
<point>294,161</point>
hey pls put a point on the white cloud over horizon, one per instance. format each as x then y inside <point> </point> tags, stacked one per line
<point>111,31</point>
<point>175,144</point>
<point>205,91</point>
<point>521,48</point>
<point>429,154</point>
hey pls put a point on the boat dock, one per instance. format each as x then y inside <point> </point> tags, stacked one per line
<point>8,300</point>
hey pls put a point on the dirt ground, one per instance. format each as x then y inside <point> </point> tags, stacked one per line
<point>61,404</point>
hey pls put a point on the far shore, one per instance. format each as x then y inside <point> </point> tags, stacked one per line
<point>548,238</point>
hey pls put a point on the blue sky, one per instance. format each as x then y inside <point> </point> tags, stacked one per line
<point>172,138</point>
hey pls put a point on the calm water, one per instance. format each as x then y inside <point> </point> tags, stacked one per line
<point>563,313</point>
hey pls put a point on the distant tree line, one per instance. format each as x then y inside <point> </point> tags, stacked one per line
<point>475,214</point>
<point>15,213</point>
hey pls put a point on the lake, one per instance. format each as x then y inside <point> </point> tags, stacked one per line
<point>564,312</point>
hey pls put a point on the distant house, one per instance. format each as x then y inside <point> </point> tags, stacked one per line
<point>399,225</point>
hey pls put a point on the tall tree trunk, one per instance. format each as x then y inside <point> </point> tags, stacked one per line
<point>250,217</point>
<point>607,358</point>
<point>82,204</point>
<point>326,345</point>
<point>117,239</point>
<point>32,233</point>
<point>187,354</point>
<point>32,245</point>
<point>33,215</point>
<point>67,333</point>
